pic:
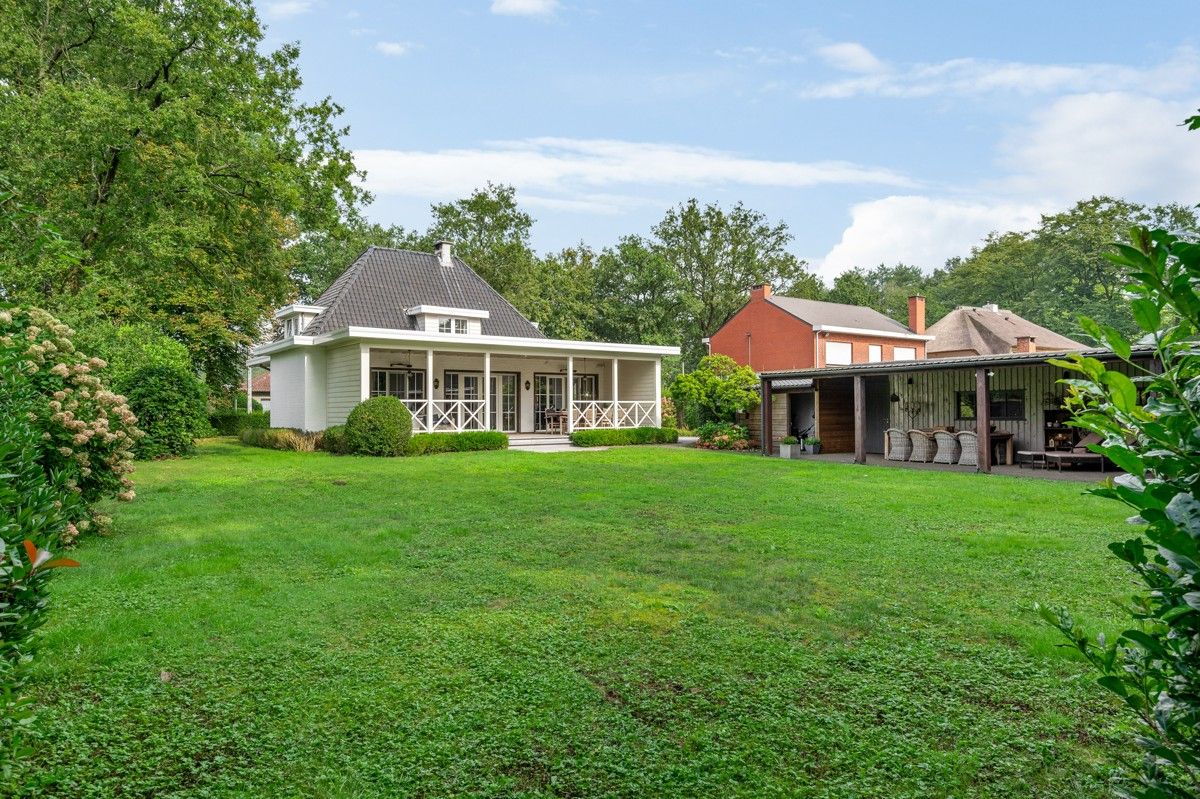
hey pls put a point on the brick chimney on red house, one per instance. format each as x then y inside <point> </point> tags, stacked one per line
<point>1025,344</point>
<point>916,314</point>
<point>760,292</point>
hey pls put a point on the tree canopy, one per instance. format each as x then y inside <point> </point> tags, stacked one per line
<point>174,156</point>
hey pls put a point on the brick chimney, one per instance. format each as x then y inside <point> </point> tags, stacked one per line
<point>916,314</point>
<point>1025,344</point>
<point>760,292</point>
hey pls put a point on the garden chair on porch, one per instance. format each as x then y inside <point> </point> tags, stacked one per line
<point>897,446</point>
<point>968,444</point>
<point>923,446</point>
<point>947,447</point>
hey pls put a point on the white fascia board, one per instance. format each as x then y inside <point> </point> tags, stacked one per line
<point>259,360</point>
<point>292,310</point>
<point>456,342</point>
<point>862,331</point>
<point>445,310</point>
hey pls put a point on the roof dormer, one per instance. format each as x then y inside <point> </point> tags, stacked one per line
<point>294,318</point>
<point>452,321</point>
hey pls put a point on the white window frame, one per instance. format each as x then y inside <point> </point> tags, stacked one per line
<point>400,383</point>
<point>831,359</point>
<point>460,326</point>
<point>904,353</point>
<point>456,325</point>
<point>874,353</point>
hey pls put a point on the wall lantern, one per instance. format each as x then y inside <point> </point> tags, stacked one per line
<point>910,381</point>
<point>435,382</point>
<point>894,398</point>
<point>526,385</point>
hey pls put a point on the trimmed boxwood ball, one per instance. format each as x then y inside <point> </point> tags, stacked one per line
<point>378,426</point>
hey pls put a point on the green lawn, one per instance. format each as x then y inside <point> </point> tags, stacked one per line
<point>635,622</point>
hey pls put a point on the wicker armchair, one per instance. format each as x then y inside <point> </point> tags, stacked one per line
<point>947,447</point>
<point>898,446</point>
<point>968,442</point>
<point>923,446</point>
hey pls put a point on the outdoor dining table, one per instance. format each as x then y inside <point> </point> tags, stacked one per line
<point>997,438</point>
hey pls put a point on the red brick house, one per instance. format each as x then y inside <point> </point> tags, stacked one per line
<point>773,332</point>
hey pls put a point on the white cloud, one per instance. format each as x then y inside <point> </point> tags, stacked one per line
<point>282,9</point>
<point>972,76</point>
<point>759,55</point>
<point>524,8</point>
<point>570,171</point>
<point>393,48</point>
<point>850,57</point>
<point>920,231</point>
<point>1112,143</point>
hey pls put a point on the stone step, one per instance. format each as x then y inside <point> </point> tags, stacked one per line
<point>515,442</point>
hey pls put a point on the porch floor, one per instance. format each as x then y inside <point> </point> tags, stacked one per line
<point>1074,474</point>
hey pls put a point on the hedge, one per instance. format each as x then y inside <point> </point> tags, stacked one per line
<point>232,423</point>
<point>470,441</point>
<point>622,436</point>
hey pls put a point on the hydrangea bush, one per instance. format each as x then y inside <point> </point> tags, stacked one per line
<point>87,432</point>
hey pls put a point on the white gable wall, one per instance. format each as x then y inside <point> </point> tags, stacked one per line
<point>298,389</point>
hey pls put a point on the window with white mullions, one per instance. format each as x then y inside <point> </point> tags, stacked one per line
<point>405,385</point>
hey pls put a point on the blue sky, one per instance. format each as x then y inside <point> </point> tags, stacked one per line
<point>879,132</point>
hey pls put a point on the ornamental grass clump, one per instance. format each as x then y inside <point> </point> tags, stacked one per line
<point>1150,425</point>
<point>86,432</point>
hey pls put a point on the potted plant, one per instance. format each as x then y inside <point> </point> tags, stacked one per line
<point>814,443</point>
<point>789,447</point>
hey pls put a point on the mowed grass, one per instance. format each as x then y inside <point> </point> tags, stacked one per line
<point>636,622</point>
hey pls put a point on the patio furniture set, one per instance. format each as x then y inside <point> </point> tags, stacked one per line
<point>932,446</point>
<point>1076,455</point>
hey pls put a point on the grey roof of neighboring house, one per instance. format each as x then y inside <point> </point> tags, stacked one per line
<point>382,284</point>
<point>816,312</point>
<point>990,332</point>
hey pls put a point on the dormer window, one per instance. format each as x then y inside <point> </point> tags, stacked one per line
<point>456,325</point>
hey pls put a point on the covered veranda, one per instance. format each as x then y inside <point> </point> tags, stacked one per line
<point>1013,402</point>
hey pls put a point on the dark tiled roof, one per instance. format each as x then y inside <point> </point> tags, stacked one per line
<point>378,288</point>
<point>817,312</point>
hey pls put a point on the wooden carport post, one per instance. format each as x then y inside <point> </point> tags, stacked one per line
<point>860,419</point>
<point>983,419</point>
<point>765,412</point>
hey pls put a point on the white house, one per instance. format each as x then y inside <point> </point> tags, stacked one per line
<point>425,328</point>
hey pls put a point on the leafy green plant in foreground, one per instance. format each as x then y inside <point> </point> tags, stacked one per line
<point>1154,666</point>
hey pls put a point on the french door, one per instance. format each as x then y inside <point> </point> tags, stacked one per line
<point>464,386</point>
<point>549,394</point>
<point>503,397</point>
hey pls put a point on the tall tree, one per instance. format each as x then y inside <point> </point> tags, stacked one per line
<point>491,233</point>
<point>174,155</point>
<point>1057,271</point>
<point>638,294</point>
<point>718,255</point>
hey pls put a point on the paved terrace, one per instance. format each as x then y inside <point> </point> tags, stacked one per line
<point>1077,474</point>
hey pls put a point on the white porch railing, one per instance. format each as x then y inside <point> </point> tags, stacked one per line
<point>592,414</point>
<point>448,415</point>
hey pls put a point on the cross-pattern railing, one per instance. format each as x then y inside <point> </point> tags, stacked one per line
<point>452,415</point>
<point>591,414</point>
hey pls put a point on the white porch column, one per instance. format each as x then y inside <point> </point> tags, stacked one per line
<point>658,392</point>
<point>570,394</point>
<point>364,371</point>
<point>616,411</point>
<point>429,391</point>
<point>249,389</point>
<point>487,391</point>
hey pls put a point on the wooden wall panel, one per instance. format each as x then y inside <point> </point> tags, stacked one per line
<point>835,414</point>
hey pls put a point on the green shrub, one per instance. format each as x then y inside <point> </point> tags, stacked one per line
<point>130,348</point>
<point>790,440</point>
<point>378,426</point>
<point>169,403</point>
<point>86,433</point>
<point>716,391</point>
<point>1149,429</point>
<point>333,440</point>
<point>722,435</point>
<point>36,512</point>
<point>622,436</point>
<point>284,438</point>
<point>229,423</point>
<point>469,441</point>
